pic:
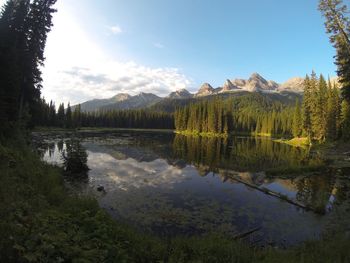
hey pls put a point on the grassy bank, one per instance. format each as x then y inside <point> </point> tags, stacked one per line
<point>297,142</point>
<point>203,134</point>
<point>40,222</point>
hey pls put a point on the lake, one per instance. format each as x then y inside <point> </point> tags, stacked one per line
<point>171,185</point>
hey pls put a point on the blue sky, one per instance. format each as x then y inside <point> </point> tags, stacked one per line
<point>99,48</point>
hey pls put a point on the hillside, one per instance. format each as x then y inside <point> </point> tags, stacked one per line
<point>170,105</point>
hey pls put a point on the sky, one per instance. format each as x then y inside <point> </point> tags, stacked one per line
<point>98,48</point>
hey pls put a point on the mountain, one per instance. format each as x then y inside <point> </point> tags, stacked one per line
<point>169,105</point>
<point>93,105</point>
<point>256,83</point>
<point>205,90</point>
<point>292,85</point>
<point>235,87</point>
<point>228,86</point>
<point>142,100</point>
<point>180,94</point>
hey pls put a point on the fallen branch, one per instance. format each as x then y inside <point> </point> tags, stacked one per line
<point>274,194</point>
<point>244,234</point>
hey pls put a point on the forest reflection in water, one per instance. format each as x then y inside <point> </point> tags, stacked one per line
<point>173,184</point>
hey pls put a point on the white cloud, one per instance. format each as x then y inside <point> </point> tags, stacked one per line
<point>77,69</point>
<point>115,30</point>
<point>158,45</point>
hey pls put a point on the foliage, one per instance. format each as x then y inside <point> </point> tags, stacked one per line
<point>320,109</point>
<point>23,30</point>
<point>337,25</point>
<point>75,158</point>
<point>68,118</point>
<point>251,113</point>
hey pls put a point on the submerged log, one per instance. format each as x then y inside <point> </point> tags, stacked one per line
<point>272,193</point>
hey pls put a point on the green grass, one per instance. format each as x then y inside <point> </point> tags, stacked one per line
<point>40,222</point>
<point>202,134</point>
<point>297,142</point>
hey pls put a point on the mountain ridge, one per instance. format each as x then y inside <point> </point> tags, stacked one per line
<point>255,83</point>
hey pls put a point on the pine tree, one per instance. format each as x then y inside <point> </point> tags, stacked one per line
<point>297,122</point>
<point>69,120</point>
<point>332,112</point>
<point>337,25</point>
<point>52,114</point>
<point>345,117</point>
<point>306,108</point>
<point>60,116</point>
<point>321,109</point>
<point>76,117</point>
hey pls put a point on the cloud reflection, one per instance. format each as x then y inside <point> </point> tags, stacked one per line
<point>131,173</point>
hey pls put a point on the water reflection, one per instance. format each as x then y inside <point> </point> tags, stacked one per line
<point>188,185</point>
<point>74,158</point>
<point>132,174</point>
<point>239,153</point>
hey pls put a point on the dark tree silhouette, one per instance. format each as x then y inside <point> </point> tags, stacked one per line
<point>24,26</point>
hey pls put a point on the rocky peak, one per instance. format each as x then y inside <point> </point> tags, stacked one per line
<point>257,78</point>
<point>205,90</point>
<point>256,75</point>
<point>228,85</point>
<point>239,82</point>
<point>257,83</point>
<point>293,85</point>
<point>121,97</point>
<point>180,94</point>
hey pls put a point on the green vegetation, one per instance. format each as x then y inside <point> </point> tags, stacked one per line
<point>337,24</point>
<point>240,154</point>
<point>251,113</point>
<point>203,134</point>
<point>23,29</point>
<point>75,159</point>
<point>297,142</point>
<point>320,113</point>
<point>320,117</point>
<point>68,118</point>
<point>41,222</point>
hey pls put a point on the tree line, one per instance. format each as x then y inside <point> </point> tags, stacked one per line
<point>252,113</point>
<point>74,117</point>
<point>320,115</point>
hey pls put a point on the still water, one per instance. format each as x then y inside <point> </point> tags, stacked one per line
<point>171,185</point>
